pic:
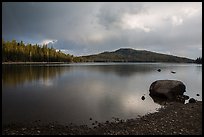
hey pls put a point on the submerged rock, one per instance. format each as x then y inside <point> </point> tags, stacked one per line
<point>167,89</point>
<point>143,98</point>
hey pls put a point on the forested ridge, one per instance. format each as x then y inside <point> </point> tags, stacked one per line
<point>13,51</point>
<point>131,55</point>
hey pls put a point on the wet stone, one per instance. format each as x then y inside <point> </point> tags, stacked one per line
<point>192,100</point>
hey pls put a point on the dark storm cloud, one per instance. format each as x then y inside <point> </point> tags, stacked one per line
<point>41,19</point>
<point>110,14</point>
<point>87,28</point>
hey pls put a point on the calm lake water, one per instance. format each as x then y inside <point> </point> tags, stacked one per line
<point>75,92</point>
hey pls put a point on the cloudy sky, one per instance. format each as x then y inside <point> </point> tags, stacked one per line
<point>86,28</point>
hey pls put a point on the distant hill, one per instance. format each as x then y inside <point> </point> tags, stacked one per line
<point>131,55</point>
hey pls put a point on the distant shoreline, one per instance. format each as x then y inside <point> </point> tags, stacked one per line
<point>35,62</point>
<point>88,62</point>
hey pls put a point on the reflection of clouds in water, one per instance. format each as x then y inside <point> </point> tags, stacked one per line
<point>46,82</point>
<point>103,91</point>
<point>130,102</point>
<point>96,87</point>
<point>100,92</point>
<point>115,100</point>
<point>133,103</point>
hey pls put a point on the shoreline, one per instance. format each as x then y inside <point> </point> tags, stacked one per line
<point>35,62</point>
<point>8,63</point>
<point>173,119</point>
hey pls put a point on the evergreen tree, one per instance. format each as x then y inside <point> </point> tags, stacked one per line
<point>198,60</point>
<point>14,51</point>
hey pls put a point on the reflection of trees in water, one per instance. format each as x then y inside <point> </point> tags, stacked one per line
<point>126,70</point>
<point>16,74</point>
<point>199,69</point>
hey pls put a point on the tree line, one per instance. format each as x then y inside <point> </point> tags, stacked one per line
<point>13,51</point>
<point>198,60</point>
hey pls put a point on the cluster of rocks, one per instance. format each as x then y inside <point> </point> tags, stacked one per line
<point>159,70</point>
<point>173,119</point>
<point>163,91</point>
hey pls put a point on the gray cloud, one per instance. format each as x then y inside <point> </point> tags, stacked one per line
<point>87,28</point>
<point>110,14</point>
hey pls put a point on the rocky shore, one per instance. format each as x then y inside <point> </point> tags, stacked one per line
<point>172,119</point>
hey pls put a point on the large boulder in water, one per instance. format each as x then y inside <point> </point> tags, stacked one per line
<point>167,89</point>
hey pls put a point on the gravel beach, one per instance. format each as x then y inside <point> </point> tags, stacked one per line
<point>172,119</point>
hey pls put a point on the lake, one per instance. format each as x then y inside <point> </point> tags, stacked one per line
<point>74,93</point>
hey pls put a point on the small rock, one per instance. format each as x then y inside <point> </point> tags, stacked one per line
<point>197,94</point>
<point>143,98</point>
<point>159,70</point>
<point>173,72</point>
<point>186,97</point>
<point>191,100</point>
<point>90,119</point>
<point>23,129</point>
